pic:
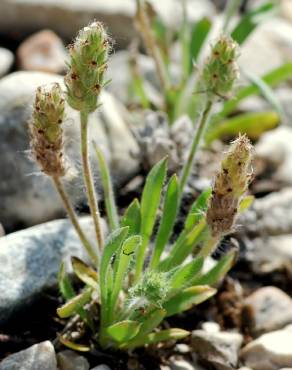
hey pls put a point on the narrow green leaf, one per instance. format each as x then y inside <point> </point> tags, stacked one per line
<point>72,345</point>
<point>170,207</point>
<point>110,204</point>
<point>198,209</point>
<point>75,304</point>
<point>251,20</point>
<point>188,298</point>
<point>183,275</point>
<point>273,78</point>
<point>161,336</point>
<point>199,35</point>
<point>122,263</point>
<point>253,124</point>
<point>218,271</point>
<point>151,322</point>
<point>64,283</point>
<point>124,330</point>
<point>132,218</point>
<point>149,205</point>
<point>85,273</point>
<point>245,203</point>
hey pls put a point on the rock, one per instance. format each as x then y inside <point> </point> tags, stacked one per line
<point>6,61</point>
<point>30,260</point>
<point>69,360</point>
<point>267,47</point>
<point>286,9</point>
<point>180,364</point>
<point>101,367</point>
<point>182,348</point>
<point>66,17</point>
<point>271,309</point>
<point>271,351</point>
<point>275,150</point>
<point>43,51</point>
<point>22,188</point>
<point>218,349</point>
<point>211,327</point>
<point>40,356</point>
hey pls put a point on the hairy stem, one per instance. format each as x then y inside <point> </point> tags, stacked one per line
<point>88,180</point>
<point>195,144</point>
<point>150,44</point>
<point>74,219</point>
<point>209,246</point>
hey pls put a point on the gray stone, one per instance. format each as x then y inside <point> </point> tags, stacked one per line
<point>219,349</point>
<point>40,356</point>
<point>30,260</point>
<point>271,351</point>
<point>180,364</point>
<point>6,61</point>
<point>28,197</point>
<point>69,360</point>
<point>101,367</point>
<point>271,309</point>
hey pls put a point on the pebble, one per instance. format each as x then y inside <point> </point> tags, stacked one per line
<point>69,360</point>
<point>271,351</point>
<point>271,309</point>
<point>101,367</point>
<point>39,356</point>
<point>43,51</point>
<point>6,61</point>
<point>180,364</point>
<point>219,349</point>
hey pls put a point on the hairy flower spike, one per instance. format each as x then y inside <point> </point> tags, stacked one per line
<point>88,63</point>
<point>221,70</point>
<point>230,184</point>
<point>46,130</point>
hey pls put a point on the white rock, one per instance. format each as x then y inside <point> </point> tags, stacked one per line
<point>271,309</point>
<point>271,351</point>
<point>219,349</point>
<point>180,364</point>
<point>101,367</point>
<point>40,356</point>
<point>211,327</point>
<point>6,61</point>
<point>69,360</point>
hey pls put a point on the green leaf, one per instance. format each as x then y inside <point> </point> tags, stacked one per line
<point>198,209</point>
<point>72,345</point>
<point>75,304</point>
<point>272,78</point>
<point>124,330</point>
<point>132,218</point>
<point>110,204</point>
<point>170,207</point>
<point>64,283</point>
<point>199,35</point>
<point>188,298</point>
<point>161,336</point>
<point>151,322</point>
<point>149,205</point>
<point>113,243</point>
<point>253,124</point>
<point>183,275</point>
<point>122,263</point>
<point>218,271</point>
<point>251,20</point>
<point>245,203</point>
<point>85,273</point>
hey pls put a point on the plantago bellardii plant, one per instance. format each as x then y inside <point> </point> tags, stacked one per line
<point>135,293</point>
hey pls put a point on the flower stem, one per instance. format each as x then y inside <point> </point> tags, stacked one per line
<point>74,219</point>
<point>195,144</point>
<point>88,180</point>
<point>209,246</point>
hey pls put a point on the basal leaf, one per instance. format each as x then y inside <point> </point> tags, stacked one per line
<point>75,304</point>
<point>64,283</point>
<point>183,275</point>
<point>132,218</point>
<point>85,273</point>
<point>73,345</point>
<point>124,330</point>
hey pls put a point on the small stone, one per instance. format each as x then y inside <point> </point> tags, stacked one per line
<point>40,356</point>
<point>271,351</point>
<point>180,364</point>
<point>101,367</point>
<point>6,61</point>
<point>182,348</point>
<point>69,360</point>
<point>271,309</point>
<point>211,327</point>
<point>219,349</point>
<point>43,51</point>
